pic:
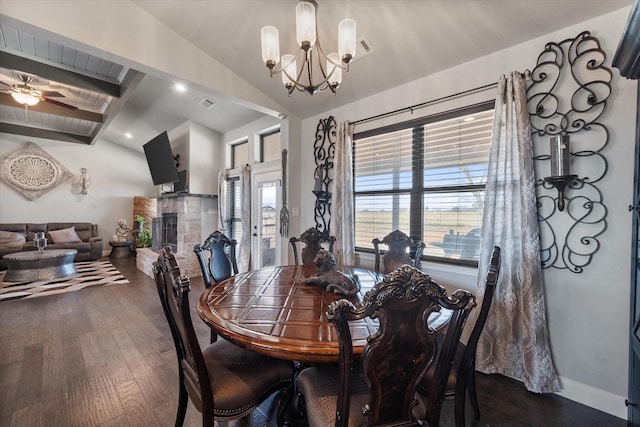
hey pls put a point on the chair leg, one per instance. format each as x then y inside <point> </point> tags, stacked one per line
<point>471,386</point>
<point>284,402</point>
<point>183,402</point>
<point>460,396</point>
<point>214,336</point>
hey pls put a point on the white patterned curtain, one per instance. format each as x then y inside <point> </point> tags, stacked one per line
<point>342,206</point>
<point>515,339</point>
<point>222,199</point>
<point>244,246</point>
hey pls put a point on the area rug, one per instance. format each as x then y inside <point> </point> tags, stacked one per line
<point>89,273</point>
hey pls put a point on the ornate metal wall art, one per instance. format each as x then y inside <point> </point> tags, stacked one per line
<point>568,95</point>
<point>32,171</point>
<point>324,149</point>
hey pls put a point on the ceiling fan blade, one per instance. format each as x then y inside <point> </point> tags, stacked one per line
<point>61,104</point>
<point>53,93</point>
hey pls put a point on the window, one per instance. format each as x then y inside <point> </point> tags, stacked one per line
<point>233,217</point>
<point>270,146</point>
<point>239,154</point>
<point>426,178</point>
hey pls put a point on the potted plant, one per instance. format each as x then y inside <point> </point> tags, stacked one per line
<point>142,235</point>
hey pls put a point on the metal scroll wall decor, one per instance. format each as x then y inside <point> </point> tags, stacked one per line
<point>324,149</point>
<point>566,99</point>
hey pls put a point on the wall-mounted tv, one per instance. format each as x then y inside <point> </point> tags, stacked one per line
<point>160,159</point>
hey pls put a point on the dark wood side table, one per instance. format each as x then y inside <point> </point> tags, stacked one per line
<point>120,249</point>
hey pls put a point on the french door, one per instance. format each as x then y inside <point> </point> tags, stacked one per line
<point>266,203</point>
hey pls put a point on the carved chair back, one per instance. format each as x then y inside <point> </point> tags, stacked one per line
<point>173,289</point>
<point>400,247</point>
<point>223,381</point>
<point>396,357</point>
<point>221,261</point>
<point>462,376</point>
<point>312,239</point>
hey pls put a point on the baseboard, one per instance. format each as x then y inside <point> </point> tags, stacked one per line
<point>594,397</point>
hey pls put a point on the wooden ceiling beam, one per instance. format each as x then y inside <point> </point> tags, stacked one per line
<point>59,75</point>
<point>43,133</point>
<point>45,107</point>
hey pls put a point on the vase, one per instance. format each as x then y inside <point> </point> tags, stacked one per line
<point>40,240</point>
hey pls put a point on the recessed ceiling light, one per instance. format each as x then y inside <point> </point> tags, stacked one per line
<point>180,87</point>
<point>128,135</point>
<point>468,119</point>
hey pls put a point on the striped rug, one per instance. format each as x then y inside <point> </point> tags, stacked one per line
<point>89,273</point>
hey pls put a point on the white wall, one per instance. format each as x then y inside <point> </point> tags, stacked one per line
<point>587,313</point>
<point>200,151</point>
<point>117,175</point>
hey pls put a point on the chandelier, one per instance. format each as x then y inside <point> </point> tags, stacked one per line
<point>329,65</point>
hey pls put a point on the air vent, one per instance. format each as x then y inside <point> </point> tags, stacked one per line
<point>206,103</point>
<point>363,48</point>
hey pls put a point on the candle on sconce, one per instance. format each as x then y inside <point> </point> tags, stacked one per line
<point>560,155</point>
<point>85,181</point>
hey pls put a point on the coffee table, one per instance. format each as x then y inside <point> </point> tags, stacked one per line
<point>32,265</point>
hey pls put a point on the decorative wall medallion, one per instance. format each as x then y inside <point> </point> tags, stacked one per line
<point>32,171</point>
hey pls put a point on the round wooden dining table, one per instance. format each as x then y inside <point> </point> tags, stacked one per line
<point>273,312</point>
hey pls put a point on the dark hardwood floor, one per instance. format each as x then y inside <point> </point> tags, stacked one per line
<point>104,356</point>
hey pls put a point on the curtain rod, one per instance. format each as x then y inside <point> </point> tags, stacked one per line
<point>526,75</point>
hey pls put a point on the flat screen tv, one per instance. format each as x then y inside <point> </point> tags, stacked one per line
<point>160,159</point>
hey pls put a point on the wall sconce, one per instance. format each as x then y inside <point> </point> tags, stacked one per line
<point>560,166</point>
<point>85,180</point>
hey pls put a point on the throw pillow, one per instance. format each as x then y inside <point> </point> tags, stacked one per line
<point>11,241</point>
<point>66,235</point>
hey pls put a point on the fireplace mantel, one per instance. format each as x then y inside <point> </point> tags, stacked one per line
<point>172,195</point>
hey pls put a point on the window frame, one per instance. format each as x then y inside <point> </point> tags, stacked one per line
<point>418,190</point>
<point>233,152</point>
<point>233,214</point>
<point>262,138</point>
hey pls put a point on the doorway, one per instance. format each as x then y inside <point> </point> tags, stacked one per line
<point>265,240</point>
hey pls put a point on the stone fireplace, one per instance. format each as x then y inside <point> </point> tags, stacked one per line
<point>169,234</point>
<point>182,220</point>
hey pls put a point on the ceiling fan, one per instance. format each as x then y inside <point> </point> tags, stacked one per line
<point>28,96</point>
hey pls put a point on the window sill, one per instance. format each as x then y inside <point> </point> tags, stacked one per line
<point>449,275</point>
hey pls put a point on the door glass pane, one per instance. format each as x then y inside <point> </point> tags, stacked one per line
<point>267,223</point>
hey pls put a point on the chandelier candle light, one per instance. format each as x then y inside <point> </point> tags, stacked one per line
<point>307,38</point>
<point>560,166</point>
<point>85,181</point>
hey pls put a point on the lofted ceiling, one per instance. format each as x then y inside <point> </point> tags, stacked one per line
<point>408,39</point>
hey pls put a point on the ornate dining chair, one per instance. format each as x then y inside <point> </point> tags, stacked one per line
<point>462,378</point>
<point>398,243</point>
<point>312,239</point>
<point>221,262</point>
<point>381,389</point>
<point>223,381</point>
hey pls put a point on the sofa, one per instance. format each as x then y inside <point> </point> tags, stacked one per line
<point>82,236</point>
